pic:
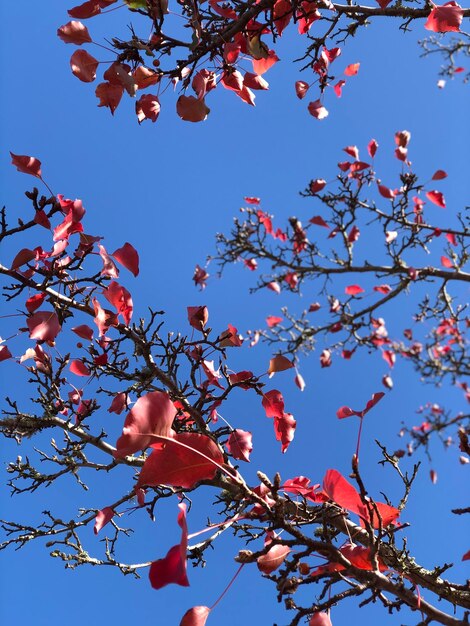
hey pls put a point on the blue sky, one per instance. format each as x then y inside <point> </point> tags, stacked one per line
<point>168,188</point>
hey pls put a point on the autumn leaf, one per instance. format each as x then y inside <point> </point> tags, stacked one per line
<point>183,461</point>
<point>26,164</point>
<point>191,109</point>
<point>240,444</point>
<point>74,32</point>
<point>273,559</point>
<point>172,568</point>
<point>83,66</point>
<point>445,18</point>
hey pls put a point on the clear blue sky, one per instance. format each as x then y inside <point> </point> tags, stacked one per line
<point>168,188</point>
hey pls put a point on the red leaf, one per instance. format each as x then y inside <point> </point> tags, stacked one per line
<point>119,403</point>
<point>354,234</point>
<point>445,18</point>
<point>345,411</point>
<point>319,221</point>
<point>102,518</point>
<point>341,491</point>
<point>439,175</point>
<point>79,368</point>
<point>172,568</point>
<point>338,88</point>
<point>321,619</point>
<point>466,556</point>
<point>317,185</point>
<point>373,145</point>
<point>273,320</point>
<point>152,414</point>
<point>447,263</point>
<point>147,108</point>
<point>198,316</point>
<point>273,559</point>
<point>451,239</point>
<point>437,198</point>
<point>325,358</point>
<point>301,88</point>
<point>26,164</point>
<point>197,616</point>
<point>317,110</point>
<point>34,302</point>
<point>74,32</point>
<point>279,363</point>
<point>5,353</point>
<point>253,81</point>
<point>299,381</point>
<point>261,66</point>
<point>121,300</point>
<point>85,10</point>
<point>389,357</point>
<point>386,192</point>
<point>191,109</point>
<point>109,95</point>
<point>383,3</point>
<point>240,444</point>
<point>184,465</point>
<point>352,69</point>
<point>24,256</point>
<point>83,331</point>
<point>273,403</point>
<point>352,151</point>
<point>230,338</point>
<point>385,289</point>
<point>128,257</point>
<point>353,290</point>
<point>109,267</point>
<point>43,325</point>
<point>83,66</point>
<point>284,428</point>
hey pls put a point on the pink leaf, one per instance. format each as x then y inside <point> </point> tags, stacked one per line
<point>284,428</point>
<point>338,88</point>
<point>447,263</point>
<point>341,491</point>
<point>26,164</point>
<point>273,559</point>
<point>83,331</point>
<point>352,69</point>
<point>389,357</point>
<point>128,257</point>
<point>182,461</point>
<point>439,175</point>
<point>385,289</point>
<point>261,66</point>
<point>5,353</point>
<point>74,32</point>
<point>83,66</point>
<point>437,198</point>
<point>273,403</point>
<point>279,363</point>
<point>317,185</point>
<point>79,368</point>
<point>317,110</point>
<point>301,88</point>
<point>372,146</point>
<point>240,444</point>
<point>24,256</point>
<point>445,18</point>
<point>152,414</point>
<point>147,108</point>
<point>102,518</point>
<point>299,381</point>
<point>273,320</point>
<point>191,109</point>
<point>322,619</point>
<point>121,300</point>
<point>353,290</point>
<point>319,221</point>
<point>172,568</point>
<point>85,10</point>
<point>34,302</point>
<point>119,403</point>
<point>197,616</point>
<point>43,325</point>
